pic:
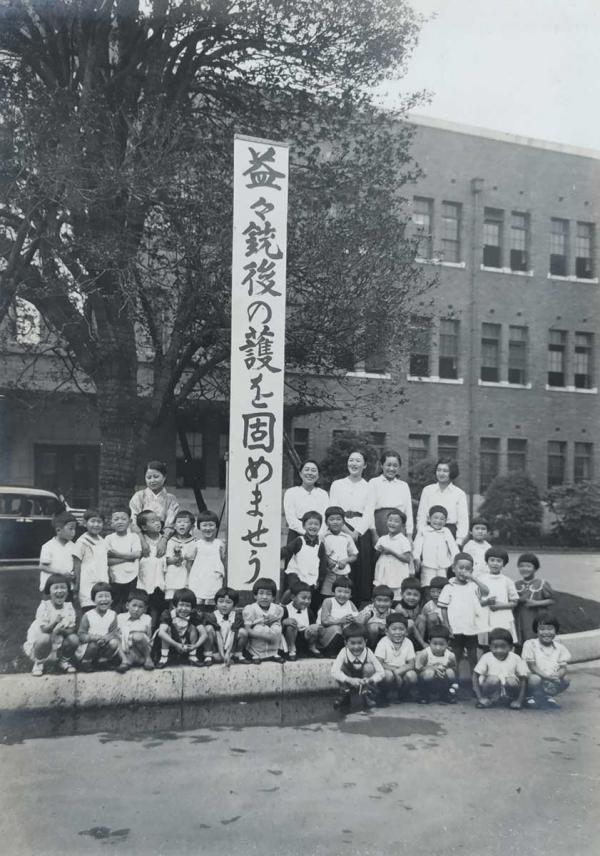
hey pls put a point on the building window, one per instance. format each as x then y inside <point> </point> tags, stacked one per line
<point>300,442</point>
<point>423,219</point>
<point>70,471</point>
<point>489,461</point>
<point>378,441</point>
<point>418,448</point>
<point>557,347</point>
<point>583,462</point>
<point>447,447</point>
<point>519,241</point>
<point>490,352</point>
<point>559,239</point>
<point>193,472</point>
<point>492,237</point>
<point>584,244</point>
<point>516,455</point>
<point>517,355</point>
<point>420,365</point>
<point>583,360</point>
<point>448,356</point>
<point>557,458</point>
<point>451,219</point>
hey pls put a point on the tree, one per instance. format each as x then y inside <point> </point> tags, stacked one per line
<point>333,466</point>
<point>116,136</point>
<point>512,507</point>
<point>577,509</point>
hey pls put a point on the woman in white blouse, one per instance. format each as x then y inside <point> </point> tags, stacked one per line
<point>306,497</point>
<point>387,492</point>
<point>351,493</point>
<point>445,493</point>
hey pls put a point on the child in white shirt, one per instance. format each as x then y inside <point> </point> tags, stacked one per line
<point>434,547</point>
<point>153,567</point>
<point>436,668</point>
<point>135,631</point>
<point>395,558</point>
<point>180,555</point>
<point>124,550</point>
<point>478,544</point>
<point>460,602</point>
<point>547,660</point>
<point>93,555</point>
<point>208,568</point>
<point>397,656</point>
<point>356,669</point>
<point>502,597</point>
<point>500,675</point>
<point>340,549</point>
<point>59,554</point>
<point>98,632</point>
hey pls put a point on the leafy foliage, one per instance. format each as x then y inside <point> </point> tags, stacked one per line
<point>577,510</point>
<point>333,466</point>
<point>513,508</point>
<point>420,475</point>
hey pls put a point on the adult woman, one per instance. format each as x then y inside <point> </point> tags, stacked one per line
<point>154,497</point>
<point>387,492</point>
<point>305,497</point>
<point>350,493</point>
<point>445,493</point>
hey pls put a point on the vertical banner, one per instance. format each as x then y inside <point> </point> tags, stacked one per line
<point>260,190</point>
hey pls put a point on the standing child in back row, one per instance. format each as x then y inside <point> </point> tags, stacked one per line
<point>59,554</point>
<point>535,596</point>
<point>434,547</point>
<point>180,555</point>
<point>93,555</point>
<point>208,568</point>
<point>478,544</point>
<point>124,552</point>
<point>395,558</point>
<point>497,606</point>
<point>152,566</point>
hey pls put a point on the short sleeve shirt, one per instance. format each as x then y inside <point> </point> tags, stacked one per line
<point>491,667</point>
<point>57,558</point>
<point>547,658</point>
<point>124,572</point>
<point>394,655</point>
<point>463,605</point>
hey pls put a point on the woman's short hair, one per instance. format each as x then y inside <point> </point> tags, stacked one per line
<point>390,453</point>
<point>452,466</point>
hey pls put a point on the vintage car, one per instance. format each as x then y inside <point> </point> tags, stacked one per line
<point>26,522</point>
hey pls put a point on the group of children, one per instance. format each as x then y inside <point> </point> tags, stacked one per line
<point>147,601</point>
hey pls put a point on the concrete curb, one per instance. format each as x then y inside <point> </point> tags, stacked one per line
<point>186,685</point>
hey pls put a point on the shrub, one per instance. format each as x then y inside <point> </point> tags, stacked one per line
<point>333,466</point>
<point>421,474</point>
<point>577,510</point>
<point>513,508</point>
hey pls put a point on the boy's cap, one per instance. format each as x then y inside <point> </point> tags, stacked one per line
<point>383,591</point>
<point>437,583</point>
<point>354,630</point>
<point>308,514</point>
<point>334,509</point>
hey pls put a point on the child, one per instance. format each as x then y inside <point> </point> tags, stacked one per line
<point>262,620</point>
<point>409,606</point>
<point>498,604</point>
<point>51,638</point>
<point>231,637</point>
<point>340,549</point>
<point>374,615</point>
<point>535,595</point>
<point>59,554</point>
<point>547,661</point>
<point>181,631</point>
<point>180,555</point>
<point>124,552</point>
<point>335,614</point>
<point>397,656</point>
<point>395,558</point>
<point>461,609</point>
<point>151,578</point>
<point>208,568</point>
<point>154,497</point>
<point>500,674</point>
<point>98,632</point>
<point>135,631</point>
<point>93,555</point>
<point>299,629</point>
<point>436,668</point>
<point>305,558</point>
<point>431,613</point>
<point>434,547</point>
<point>478,544</point>
<point>356,668</point>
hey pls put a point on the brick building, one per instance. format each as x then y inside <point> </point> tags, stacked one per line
<point>504,378</point>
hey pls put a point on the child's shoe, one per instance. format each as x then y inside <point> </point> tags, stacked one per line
<point>552,703</point>
<point>342,702</point>
<point>38,669</point>
<point>148,664</point>
<point>369,699</point>
<point>194,661</point>
<point>164,659</point>
<point>64,666</point>
<point>122,668</point>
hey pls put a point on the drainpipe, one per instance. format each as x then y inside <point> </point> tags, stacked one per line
<point>472,373</point>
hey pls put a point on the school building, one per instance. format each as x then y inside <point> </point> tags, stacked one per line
<point>505,377</point>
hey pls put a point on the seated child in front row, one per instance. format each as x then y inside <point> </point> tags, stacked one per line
<point>397,656</point>
<point>98,632</point>
<point>374,615</point>
<point>434,547</point>
<point>306,559</point>
<point>231,635</point>
<point>436,668</point>
<point>181,631</point>
<point>409,606</point>
<point>300,632</point>
<point>547,660</point>
<point>135,630</point>
<point>51,638</point>
<point>356,669</point>
<point>340,550</point>
<point>335,614</point>
<point>431,612</point>
<point>500,674</point>
<point>395,557</point>
<point>262,621</point>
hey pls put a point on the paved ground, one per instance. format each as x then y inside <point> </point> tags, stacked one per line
<point>572,572</point>
<point>425,781</point>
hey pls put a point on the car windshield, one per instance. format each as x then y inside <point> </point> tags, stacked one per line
<point>28,505</point>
